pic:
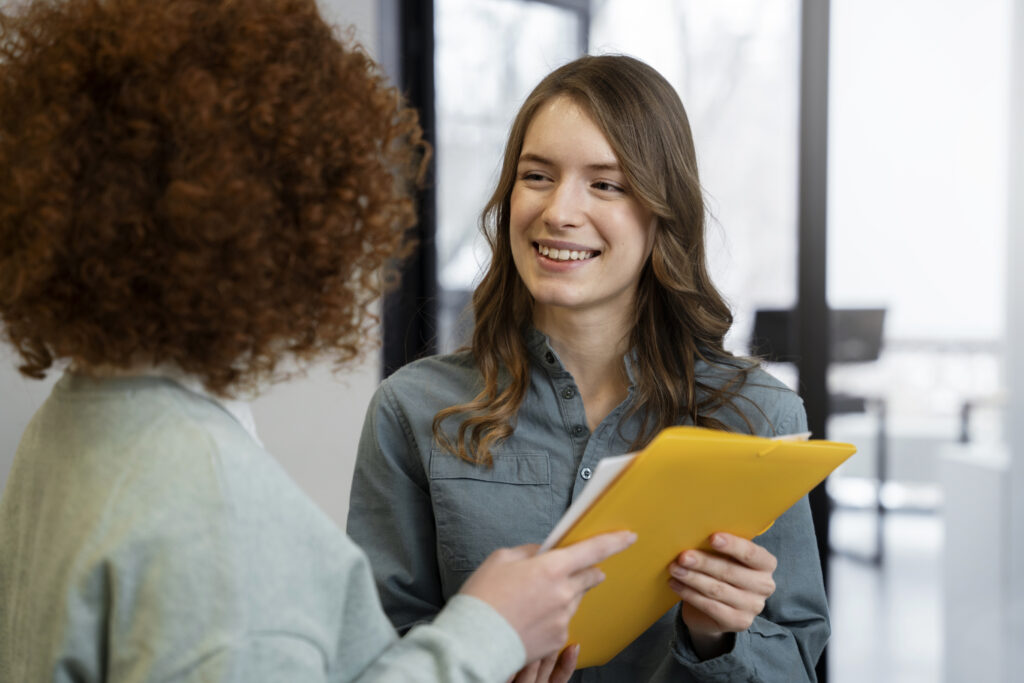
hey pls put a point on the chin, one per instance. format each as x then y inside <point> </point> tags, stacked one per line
<point>557,302</point>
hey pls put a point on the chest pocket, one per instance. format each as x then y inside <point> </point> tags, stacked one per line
<point>478,509</point>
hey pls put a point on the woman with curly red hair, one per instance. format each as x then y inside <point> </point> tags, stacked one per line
<point>192,193</point>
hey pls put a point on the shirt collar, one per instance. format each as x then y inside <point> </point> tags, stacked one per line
<point>237,408</point>
<point>539,347</point>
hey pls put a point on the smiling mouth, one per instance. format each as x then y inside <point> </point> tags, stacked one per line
<point>565,254</point>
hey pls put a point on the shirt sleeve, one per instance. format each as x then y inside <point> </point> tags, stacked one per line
<point>391,516</point>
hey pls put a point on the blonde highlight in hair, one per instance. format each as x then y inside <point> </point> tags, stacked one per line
<point>680,315</point>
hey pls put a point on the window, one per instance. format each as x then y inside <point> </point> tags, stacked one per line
<point>489,55</point>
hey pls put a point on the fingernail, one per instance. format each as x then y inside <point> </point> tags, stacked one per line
<point>632,537</point>
<point>718,541</point>
<point>689,560</point>
<point>678,571</point>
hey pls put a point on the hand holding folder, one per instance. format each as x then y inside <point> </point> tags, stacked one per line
<point>687,484</point>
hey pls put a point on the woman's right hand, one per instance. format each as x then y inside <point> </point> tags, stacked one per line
<point>538,594</point>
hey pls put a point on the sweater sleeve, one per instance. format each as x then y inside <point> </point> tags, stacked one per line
<point>468,641</point>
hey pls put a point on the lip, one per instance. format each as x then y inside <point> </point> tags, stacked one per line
<point>571,246</point>
<point>553,265</point>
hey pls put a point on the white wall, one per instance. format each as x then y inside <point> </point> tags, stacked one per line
<point>311,424</point>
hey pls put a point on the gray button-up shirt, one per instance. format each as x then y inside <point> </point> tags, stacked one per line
<point>427,519</point>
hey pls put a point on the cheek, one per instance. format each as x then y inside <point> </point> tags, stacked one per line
<point>520,247</point>
<point>636,236</point>
<point>517,252</point>
<point>644,230</point>
<point>518,213</point>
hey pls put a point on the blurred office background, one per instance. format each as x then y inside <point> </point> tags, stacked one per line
<point>866,155</point>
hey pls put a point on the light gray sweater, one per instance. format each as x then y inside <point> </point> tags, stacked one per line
<point>145,536</point>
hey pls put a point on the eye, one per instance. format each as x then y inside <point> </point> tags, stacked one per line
<point>532,176</point>
<point>605,186</point>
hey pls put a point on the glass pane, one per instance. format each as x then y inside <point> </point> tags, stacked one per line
<point>917,227</point>
<point>734,64</point>
<point>919,128</point>
<point>489,55</point>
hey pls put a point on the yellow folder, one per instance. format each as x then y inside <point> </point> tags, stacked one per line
<point>685,485</point>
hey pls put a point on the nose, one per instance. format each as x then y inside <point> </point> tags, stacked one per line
<point>564,206</point>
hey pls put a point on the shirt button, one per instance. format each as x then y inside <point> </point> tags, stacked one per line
<point>586,472</point>
<point>578,430</point>
<point>568,393</point>
<point>549,357</point>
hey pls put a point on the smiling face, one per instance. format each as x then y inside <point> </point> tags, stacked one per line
<point>579,236</point>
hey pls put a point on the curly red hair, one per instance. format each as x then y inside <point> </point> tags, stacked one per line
<point>213,184</point>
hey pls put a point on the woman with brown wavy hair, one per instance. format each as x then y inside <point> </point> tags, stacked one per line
<point>193,192</point>
<point>596,326</point>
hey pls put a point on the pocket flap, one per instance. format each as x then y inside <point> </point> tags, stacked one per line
<point>508,468</point>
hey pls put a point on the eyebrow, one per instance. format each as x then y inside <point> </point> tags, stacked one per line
<point>536,158</point>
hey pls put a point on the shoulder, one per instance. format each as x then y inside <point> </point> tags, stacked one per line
<point>758,402</point>
<point>177,506</point>
<point>459,366</point>
<point>196,471</point>
<point>157,462</point>
<point>271,559</point>
<point>433,383</point>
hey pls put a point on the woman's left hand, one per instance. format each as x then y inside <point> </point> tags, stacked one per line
<point>722,591</point>
<point>555,668</point>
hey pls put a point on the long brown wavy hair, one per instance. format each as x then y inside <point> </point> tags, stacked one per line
<point>209,184</point>
<point>680,315</point>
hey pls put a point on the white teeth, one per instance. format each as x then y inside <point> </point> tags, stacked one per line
<point>564,254</point>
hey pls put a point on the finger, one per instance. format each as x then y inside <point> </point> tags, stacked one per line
<point>529,548</point>
<point>714,589</point>
<point>724,569</point>
<point>575,603</point>
<point>711,587</point>
<point>745,551</point>
<point>528,674</point>
<point>725,617</point>
<point>586,579</point>
<point>565,665</point>
<point>593,550</point>
<point>546,666</point>
<point>519,552</point>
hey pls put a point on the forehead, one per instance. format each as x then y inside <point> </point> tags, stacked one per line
<point>562,128</point>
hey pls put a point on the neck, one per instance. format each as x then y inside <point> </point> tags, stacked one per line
<point>591,347</point>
